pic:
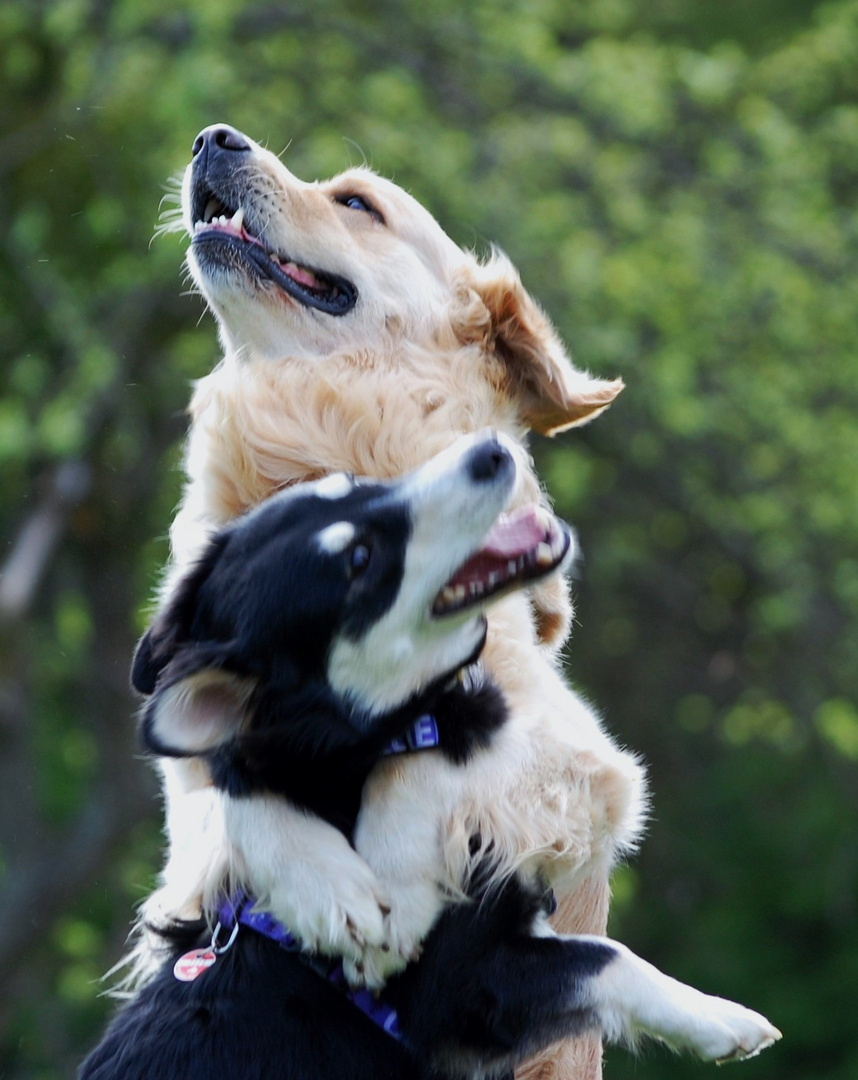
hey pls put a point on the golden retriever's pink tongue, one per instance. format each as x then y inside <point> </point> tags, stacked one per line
<point>299,274</point>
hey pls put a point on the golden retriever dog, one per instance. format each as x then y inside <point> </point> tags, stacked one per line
<point>358,337</point>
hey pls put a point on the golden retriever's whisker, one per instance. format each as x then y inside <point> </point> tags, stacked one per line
<point>169,220</point>
<point>190,290</point>
<point>165,228</point>
<point>365,160</point>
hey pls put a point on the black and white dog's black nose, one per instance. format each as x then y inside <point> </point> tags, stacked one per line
<point>489,460</point>
<point>220,138</point>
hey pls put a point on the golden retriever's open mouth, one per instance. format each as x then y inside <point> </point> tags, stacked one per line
<point>221,237</point>
<point>521,547</point>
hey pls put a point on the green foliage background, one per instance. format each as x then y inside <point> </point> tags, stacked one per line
<point>677,183</point>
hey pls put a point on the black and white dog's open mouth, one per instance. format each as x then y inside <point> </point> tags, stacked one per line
<point>216,223</point>
<point>522,546</point>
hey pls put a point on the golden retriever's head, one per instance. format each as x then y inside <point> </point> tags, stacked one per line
<point>355,263</point>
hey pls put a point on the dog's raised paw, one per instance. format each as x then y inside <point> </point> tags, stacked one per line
<point>641,1000</point>
<point>747,1034</point>
<point>729,1032</point>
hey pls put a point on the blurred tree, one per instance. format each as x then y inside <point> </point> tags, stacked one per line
<point>684,206</point>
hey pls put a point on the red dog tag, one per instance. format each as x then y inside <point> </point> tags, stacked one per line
<point>193,964</point>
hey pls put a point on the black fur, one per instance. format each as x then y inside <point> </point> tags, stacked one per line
<point>280,755</point>
<point>484,993</point>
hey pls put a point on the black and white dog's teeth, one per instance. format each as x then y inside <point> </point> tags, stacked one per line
<point>547,554</point>
<point>550,551</point>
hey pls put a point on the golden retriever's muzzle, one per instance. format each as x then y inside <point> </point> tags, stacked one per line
<point>229,236</point>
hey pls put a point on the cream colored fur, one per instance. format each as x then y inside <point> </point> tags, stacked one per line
<point>440,344</point>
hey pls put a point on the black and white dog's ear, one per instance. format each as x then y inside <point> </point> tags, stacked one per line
<point>172,626</point>
<point>197,701</point>
<point>146,665</point>
<point>197,712</point>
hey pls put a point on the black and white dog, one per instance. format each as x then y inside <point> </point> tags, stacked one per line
<point>328,597</point>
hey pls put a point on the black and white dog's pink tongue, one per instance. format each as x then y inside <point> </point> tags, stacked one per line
<point>520,546</point>
<point>517,533</point>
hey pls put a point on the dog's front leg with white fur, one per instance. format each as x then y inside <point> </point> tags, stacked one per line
<point>306,874</point>
<point>401,839</point>
<point>631,998</point>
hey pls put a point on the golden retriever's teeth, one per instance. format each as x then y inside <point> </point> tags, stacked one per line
<point>448,595</point>
<point>544,555</point>
<point>460,592</point>
<point>237,220</point>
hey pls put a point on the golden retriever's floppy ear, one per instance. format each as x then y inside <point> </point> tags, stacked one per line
<point>553,395</point>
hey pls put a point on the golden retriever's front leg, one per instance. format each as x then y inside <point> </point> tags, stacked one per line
<point>584,911</point>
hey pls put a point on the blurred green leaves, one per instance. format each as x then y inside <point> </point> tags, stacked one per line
<point>837,721</point>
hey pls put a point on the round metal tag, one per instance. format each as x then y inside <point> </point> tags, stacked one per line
<point>193,964</point>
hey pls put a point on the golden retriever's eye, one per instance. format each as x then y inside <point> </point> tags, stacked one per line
<point>358,202</point>
<point>359,559</point>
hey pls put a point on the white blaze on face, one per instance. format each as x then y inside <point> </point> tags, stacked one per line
<point>335,486</point>
<point>336,538</point>
<point>451,511</point>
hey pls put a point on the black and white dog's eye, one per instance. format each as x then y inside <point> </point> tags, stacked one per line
<point>359,560</point>
<point>358,202</point>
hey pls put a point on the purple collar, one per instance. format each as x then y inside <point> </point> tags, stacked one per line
<point>239,911</point>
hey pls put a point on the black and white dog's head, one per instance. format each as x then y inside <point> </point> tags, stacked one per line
<point>333,613</point>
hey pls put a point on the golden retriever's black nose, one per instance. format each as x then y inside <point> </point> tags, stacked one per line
<point>488,460</point>
<point>220,137</point>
